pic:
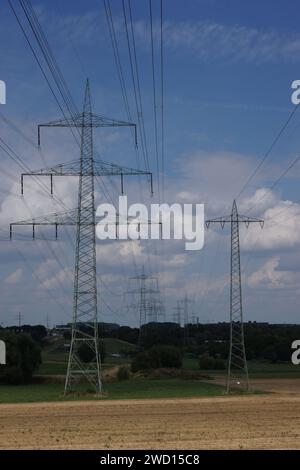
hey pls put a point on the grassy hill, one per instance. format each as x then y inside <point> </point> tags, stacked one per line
<point>55,355</point>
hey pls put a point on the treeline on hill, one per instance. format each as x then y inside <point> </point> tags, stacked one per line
<point>263,341</point>
<point>163,345</point>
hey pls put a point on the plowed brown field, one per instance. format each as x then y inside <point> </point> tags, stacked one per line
<point>269,421</point>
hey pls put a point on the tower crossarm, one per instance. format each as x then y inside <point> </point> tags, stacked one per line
<point>55,218</point>
<point>86,119</point>
<point>248,220</point>
<point>70,217</point>
<point>146,291</point>
<point>61,218</point>
<point>220,220</point>
<point>73,168</point>
<point>234,219</point>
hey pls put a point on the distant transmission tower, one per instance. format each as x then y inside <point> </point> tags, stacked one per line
<point>156,305</point>
<point>148,305</point>
<point>237,362</point>
<point>177,313</point>
<point>186,319</point>
<point>85,318</point>
<point>19,318</point>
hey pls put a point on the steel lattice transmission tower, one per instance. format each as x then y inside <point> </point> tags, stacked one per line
<point>85,317</point>
<point>149,305</point>
<point>237,362</point>
<point>177,315</point>
<point>186,320</point>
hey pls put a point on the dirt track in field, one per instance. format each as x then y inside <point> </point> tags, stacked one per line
<point>270,421</point>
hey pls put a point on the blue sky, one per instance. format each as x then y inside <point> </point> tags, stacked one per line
<point>228,68</point>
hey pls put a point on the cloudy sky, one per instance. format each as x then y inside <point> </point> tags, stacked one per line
<point>228,70</point>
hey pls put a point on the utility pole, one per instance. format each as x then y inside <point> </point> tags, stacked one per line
<point>85,317</point>
<point>237,362</point>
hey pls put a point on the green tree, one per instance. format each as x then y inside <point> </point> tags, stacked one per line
<point>207,362</point>
<point>157,357</point>
<point>23,358</point>
<point>123,373</point>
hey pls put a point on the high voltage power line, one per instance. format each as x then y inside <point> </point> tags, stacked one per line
<point>136,82</point>
<point>269,150</point>
<point>69,105</point>
<point>52,65</point>
<point>85,318</point>
<point>102,184</point>
<point>154,96</point>
<point>162,85</point>
<point>84,326</point>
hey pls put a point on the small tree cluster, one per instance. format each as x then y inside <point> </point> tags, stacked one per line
<point>123,373</point>
<point>207,362</point>
<point>87,354</point>
<point>23,358</point>
<point>157,357</point>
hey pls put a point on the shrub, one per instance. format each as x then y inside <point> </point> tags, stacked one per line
<point>123,373</point>
<point>220,364</point>
<point>157,357</point>
<point>165,334</point>
<point>86,353</point>
<point>207,362</point>
<point>166,356</point>
<point>142,361</point>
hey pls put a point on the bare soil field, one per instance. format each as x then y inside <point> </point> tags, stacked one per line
<point>270,421</point>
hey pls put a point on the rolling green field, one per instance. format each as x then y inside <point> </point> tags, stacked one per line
<point>137,388</point>
<point>55,356</point>
<point>257,369</point>
<point>55,359</point>
<point>273,371</point>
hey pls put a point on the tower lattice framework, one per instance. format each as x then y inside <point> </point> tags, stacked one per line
<point>85,315</point>
<point>237,362</point>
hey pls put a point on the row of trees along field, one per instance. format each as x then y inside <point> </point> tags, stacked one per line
<point>263,341</point>
<point>163,345</point>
